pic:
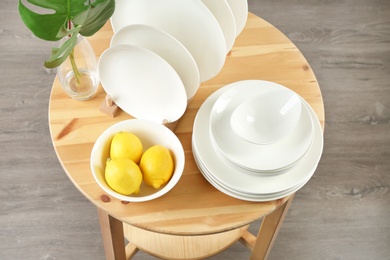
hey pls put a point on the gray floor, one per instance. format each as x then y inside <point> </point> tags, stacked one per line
<point>342,213</point>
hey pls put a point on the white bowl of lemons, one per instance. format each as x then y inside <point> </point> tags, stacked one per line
<point>137,160</point>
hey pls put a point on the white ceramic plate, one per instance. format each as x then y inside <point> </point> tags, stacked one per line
<point>250,183</point>
<point>142,83</point>
<point>210,176</point>
<point>150,134</point>
<point>224,15</point>
<point>255,157</point>
<point>190,22</point>
<point>244,196</point>
<point>166,47</point>
<point>240,12</point>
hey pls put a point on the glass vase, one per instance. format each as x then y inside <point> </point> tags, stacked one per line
<point>78,74</point>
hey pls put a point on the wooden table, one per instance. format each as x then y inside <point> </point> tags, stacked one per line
<point>193,220</point>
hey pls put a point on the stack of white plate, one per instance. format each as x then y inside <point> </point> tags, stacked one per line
<point>162,50</point>
<point>245,169</point>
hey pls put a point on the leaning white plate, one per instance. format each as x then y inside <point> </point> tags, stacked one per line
<point>255,157</point>
<point>250,183</point>
<point>190,22</point>
<point>142,83</point>
<point>240,11</point>
<point>224,15</point>
<point>166,47</point>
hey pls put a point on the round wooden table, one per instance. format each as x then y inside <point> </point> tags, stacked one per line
<point>193,220</point>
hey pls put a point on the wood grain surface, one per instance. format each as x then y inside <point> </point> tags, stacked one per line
<point>75,126</point>
<point>342,213</point>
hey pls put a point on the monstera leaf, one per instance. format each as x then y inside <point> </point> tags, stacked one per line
<point>51,20</point>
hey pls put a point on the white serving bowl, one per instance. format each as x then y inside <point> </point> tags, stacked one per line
<point>273,157</point>
<point>267,118</point>
<point>150,133</point>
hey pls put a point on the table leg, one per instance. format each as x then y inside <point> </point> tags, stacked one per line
<point>112,234</point>
<point>268,231</point>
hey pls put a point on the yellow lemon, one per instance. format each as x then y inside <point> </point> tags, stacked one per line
<point>123,176</point>
<point>157,166</point>
<point>126,145</point>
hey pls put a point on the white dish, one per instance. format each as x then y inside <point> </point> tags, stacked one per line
<point>245,196</point>
<point>240,12</point>
<point>248,170</point>
<point>252,156</point>
<point>142,83</point>
<point>150,133</point>
<point>210,176</point>
<point>267,118</point>
<point>190,22</point>
<point>224,15</point>
<point>250,183</point>
<point>166,47</point>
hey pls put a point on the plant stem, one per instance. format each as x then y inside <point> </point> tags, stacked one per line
<point>71,57</point>
<point>74,67</point>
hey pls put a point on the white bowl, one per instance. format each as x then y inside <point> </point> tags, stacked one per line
<point>240,12</point>
<point>190,22</point>
<point>165,46</point>
<point>142,83</point>
<point>150,133</point>
<point>265,186</point>
<point>255,157</point>
<point>267,118</point>
<point>224,15</point>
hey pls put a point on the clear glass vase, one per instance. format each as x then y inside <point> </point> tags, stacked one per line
<point>82,83</point>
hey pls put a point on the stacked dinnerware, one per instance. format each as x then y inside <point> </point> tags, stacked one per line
<point>162,50</point>
<point>257,140</point>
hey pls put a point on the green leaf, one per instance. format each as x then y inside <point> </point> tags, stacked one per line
<point>44,26</point>
<point>57,17</point>
<point>59,55</point>
<point>99,13</point>
<point>52,25</point>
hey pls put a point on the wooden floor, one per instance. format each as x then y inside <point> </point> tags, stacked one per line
<point>342,213</point>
